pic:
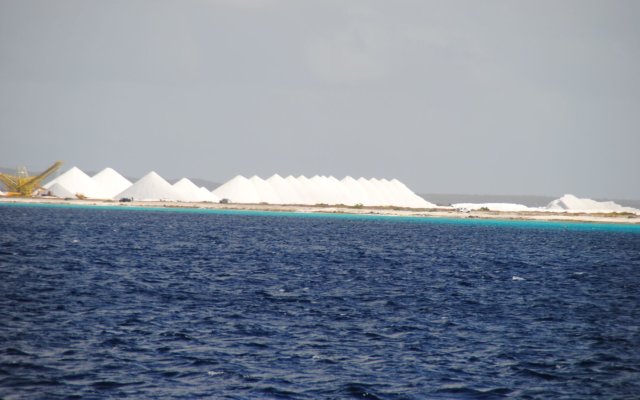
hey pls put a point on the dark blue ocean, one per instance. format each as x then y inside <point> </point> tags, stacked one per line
<point>103,303</point>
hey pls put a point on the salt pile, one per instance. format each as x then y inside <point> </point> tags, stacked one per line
<point>238,190</point>
<point>373,196</point>
<point>152,187</point>
<point>111,182</point>
<point>381,192</point>
<point>191,192</point>
<point>356,190</point>
<point>60,191</point>
<point>342,192</point>
<point>266,192</point>
<point>208,195</point>
<point>77,182</point>
<point>323,192</point>
<point>287,193</point>
<point>299,189</point>
<point>571,203</point>
<point>410,199</point>
<point>320,190</point>
<point>312,194</point>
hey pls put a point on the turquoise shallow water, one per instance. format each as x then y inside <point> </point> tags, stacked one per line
<point>580,226</point>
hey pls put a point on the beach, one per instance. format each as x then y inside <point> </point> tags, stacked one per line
<point>439,212</point>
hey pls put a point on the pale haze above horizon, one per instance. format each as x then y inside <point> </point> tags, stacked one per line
<point>491,97</point>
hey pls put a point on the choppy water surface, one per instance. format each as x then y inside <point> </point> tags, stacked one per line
<point>143,304</point>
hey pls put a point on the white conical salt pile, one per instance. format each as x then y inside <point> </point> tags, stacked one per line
<point>151,187</point>
<point>300,189</point>
<point>373,193</point>
<point>266,193</point>
<point>410,199</point>
<point>394,195</point>
<point>342,194</point>
<point>358,192</point>
<point>238,190</point>
<point>312,192</point>
<point>59,190</point>
<point>79,183</point>
<point>390,196</point>
<point>209,195</point>
<point>571,203</point>
<point>191,192</point>
<point>111,182</point>
<point>321,190</point>
<point>284,190</point>
<point>387,195</point>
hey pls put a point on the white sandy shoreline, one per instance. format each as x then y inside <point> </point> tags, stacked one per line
<point>444,212</point>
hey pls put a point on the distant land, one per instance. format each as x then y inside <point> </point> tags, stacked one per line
<point>529,201</point>
<point>441,199</point>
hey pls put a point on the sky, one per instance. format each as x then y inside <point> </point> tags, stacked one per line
<point>491,97</point>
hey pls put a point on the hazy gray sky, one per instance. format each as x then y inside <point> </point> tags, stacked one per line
<point>487,97</point>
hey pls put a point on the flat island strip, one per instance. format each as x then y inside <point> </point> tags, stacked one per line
<point>438,212</point>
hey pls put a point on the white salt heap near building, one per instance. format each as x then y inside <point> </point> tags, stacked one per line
<point>570,203</point>
<point>111,182</point>
<point>77,182</point>
<point>151,187</point>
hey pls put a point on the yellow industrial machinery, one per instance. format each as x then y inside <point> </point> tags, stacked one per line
<point>23,184</point>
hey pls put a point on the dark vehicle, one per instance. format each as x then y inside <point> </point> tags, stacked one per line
<point>224,201</point>
<point>126,200</point>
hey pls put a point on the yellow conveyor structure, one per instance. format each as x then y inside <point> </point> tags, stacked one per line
<point>23,184</point>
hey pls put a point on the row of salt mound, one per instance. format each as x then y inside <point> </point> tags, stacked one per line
<point>74,182</point>
<point>152,187</point>
<point>109,184</point>
<point>320,190</point>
